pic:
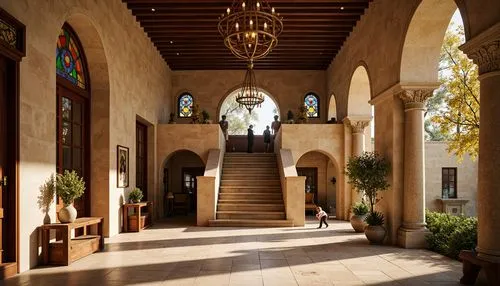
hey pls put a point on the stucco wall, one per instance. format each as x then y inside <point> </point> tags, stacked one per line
<point>287,88</point>
<point>436,158</point>
<point>122,74</point>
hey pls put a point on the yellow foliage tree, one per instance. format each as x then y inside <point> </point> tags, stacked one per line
<point>460,116</point>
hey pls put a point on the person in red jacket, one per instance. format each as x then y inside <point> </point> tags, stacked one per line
<point>321,215</point>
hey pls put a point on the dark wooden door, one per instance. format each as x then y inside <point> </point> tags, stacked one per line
<point>311,183</point>
<point>190,184</point>
<point>7,161</point>
<point>3,145</point>
<point>141,159</point>
<point>72,142</point>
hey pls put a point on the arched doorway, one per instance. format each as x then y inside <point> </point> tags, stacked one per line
<point>179,191</point>
<point>332,110</point>
<point>321,174</point>
<point>73,113</point>
<point>239,120</point>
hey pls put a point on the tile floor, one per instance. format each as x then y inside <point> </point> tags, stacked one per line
<point>172,253</point>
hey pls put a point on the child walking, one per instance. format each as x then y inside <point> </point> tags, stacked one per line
<point>321,216</point>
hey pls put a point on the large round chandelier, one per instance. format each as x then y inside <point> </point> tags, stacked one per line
<point>250,28</point>
<point>249,96</point>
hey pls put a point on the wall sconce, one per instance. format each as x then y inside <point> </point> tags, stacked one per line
<point>333,180</point>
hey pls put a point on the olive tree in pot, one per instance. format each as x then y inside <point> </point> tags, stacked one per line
<point>69,186</point>
<point>359,211</point>
<point>368,174</point>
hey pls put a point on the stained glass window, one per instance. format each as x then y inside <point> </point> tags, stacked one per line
<point>69,60</point>
<point>185,105</point>
<point>311,101</point>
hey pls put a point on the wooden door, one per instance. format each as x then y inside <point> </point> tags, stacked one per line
<point>190,185</point>
<point>141,159</point>
<point>72,142</point>
<point>3,146</point>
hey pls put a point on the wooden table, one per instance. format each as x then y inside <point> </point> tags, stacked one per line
<point>138,220</point>
<point>65,250</point>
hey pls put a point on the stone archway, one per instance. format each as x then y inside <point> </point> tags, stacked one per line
<point>178,178</point>
<point>322,179</point>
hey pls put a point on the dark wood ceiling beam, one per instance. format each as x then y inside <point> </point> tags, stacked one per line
<point>215,15</point>
<point>213,24</point>
<point>214,2</point>
<point>197,19</point>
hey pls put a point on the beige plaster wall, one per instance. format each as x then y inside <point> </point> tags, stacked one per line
<point>436,158</point>
<point>298,139</point>
<point>288,88</point>
<point>123,72</point>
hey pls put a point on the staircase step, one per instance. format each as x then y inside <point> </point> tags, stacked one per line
<point>244,154</point>
<point>246,176</point>
<point>251,171</point>
<point>251,201</point>
<point>249,215</point>
<point>250,189</point>
<point>251,182</point>
<point>251,207</point>
<point>250,196</point>
<point>250,223</point>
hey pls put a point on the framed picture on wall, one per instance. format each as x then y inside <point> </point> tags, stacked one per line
<point>122,166</point>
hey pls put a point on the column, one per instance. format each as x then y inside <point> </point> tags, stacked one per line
<point>484,50</point>
<point>412,233</point>
<point>357,126</point>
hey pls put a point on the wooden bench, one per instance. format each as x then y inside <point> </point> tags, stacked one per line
<point>65,250</point>
<point>472,265</point>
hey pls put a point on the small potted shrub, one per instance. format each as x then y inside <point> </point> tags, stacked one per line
<point>205,117</point>
<point>375,231</point>
<point>359,211</point>
<point>368,174</point>
<point>135,196</point>
<point>69,186</point>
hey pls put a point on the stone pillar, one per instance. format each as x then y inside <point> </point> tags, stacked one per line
<point>484,50</point>
<point>412,233</point>
<point>357,126</point>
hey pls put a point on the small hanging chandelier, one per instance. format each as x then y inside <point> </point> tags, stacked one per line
<point>250,28</point>
<point>249,96</point>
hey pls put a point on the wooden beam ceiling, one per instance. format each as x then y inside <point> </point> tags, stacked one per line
<point>186,35</point>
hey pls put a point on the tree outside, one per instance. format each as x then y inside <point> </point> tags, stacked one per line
<point>453,112</point>
<point>239,118</point>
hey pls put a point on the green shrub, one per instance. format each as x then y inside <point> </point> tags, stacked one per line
<point>375,218</point>
<point>450,234</point>
<point>360,209</point>
<point>69,186</point>
<point>135,196</point>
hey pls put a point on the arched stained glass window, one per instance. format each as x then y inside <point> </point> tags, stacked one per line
<point>69,58</point>
<point>311,101</point>
<point>185,105</point>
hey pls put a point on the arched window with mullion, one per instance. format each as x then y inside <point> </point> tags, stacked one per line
<point>311,102</point>
<point>185,105</point>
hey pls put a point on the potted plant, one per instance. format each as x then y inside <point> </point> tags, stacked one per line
<point>302,115</point>
<point>359,211</point>
<point>172,118</point>
<point>375,231</point>
<point>368,174</point>
<point>135,196</point>
<point>289,116</point>
<point>46,197</point>
<point>69,186</point>
<point>205,117</point>
<point>195,114</point>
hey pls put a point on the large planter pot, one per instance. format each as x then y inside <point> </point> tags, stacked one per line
<point>375,233</point>
<point>67,214</point>
<point>358,222</point>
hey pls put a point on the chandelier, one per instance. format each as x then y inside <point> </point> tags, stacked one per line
<point>250,29</point>
<point>249,96</point>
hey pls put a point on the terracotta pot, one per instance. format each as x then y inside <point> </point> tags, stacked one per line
<point>358,222</point>
<point>67,214</point>
<point>375,233</point>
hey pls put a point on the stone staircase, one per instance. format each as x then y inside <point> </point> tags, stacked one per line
<point>250,192</point>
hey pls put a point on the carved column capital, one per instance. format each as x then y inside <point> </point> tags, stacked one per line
<point>415,98</point>
<point>357,125</point>
<point>484,50</point>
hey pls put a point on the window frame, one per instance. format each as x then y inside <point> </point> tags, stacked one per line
<point>448,182</point>
<point>319,104</point>
<point>179,104</point>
